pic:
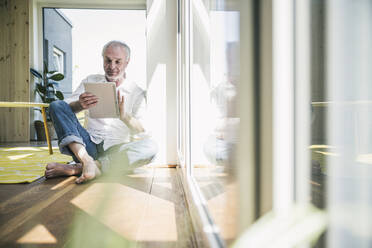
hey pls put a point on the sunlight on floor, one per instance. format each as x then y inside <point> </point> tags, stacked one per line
<point>16,157</point>
<point>64,182</point>
<point>164,184</point>
<point>223,205</point>
<point>38,235</point>
<point>133,214</point>
<point>142,175</point>
<point>22,149</point>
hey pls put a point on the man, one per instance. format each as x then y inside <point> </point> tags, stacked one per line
<point>106,142</point>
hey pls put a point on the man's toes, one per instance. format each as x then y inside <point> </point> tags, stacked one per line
<point>51,173</point>
<point>50,166</point>
<point>80,179</point>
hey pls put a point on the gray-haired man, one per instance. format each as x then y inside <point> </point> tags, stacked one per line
<point>105,142</point>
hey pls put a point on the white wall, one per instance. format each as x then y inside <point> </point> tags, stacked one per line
<point>162,77</point>
<point>92,29</point>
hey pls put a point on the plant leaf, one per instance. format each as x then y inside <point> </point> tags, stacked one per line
<point>59,95</point>
<point>51,85</point>
<point>52,72</point>
<point>53,90</point>
<point>40,89</point>
<point>57,77</point>
<point>35,73</point>
<point>42,96</point>
<point>49,100</point>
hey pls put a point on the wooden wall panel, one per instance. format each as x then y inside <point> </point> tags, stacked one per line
<point>14,69</point>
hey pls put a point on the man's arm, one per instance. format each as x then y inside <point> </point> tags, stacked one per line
<point>86,100</point>
<point>132,123</point>
<point>76,107</point>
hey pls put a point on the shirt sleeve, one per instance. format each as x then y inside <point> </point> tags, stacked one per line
<point>139,112</point>
<point>75,95</point>
<point>139,105</point>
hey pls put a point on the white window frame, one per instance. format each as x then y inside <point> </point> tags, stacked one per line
<point>36,19</point>
<point>60,57</point>
<point>293,220</point>
<point>283,104</point>
<point>202,221</point>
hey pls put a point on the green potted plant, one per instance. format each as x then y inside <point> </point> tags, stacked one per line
<point>45,87</point>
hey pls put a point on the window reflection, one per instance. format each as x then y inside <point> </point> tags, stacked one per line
<point>341,137</point>
<point>320,148</point>
<point>213,96</point>
<point>340,103</point>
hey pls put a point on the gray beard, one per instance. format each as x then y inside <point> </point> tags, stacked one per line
<point>113,79</point>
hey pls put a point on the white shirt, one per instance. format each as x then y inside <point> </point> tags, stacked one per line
<point>113,131</point>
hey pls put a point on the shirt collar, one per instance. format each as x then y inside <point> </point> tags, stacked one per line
<point>126,86</point>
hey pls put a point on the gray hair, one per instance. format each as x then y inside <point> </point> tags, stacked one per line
<point>116,43</point>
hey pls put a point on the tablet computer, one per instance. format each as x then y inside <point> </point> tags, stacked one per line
<point>107,106</point>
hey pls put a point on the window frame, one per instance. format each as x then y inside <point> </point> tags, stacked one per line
<point>36,20</point>
<point>60,56</point>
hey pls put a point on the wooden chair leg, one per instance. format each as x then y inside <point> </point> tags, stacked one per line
<point>46,130</point>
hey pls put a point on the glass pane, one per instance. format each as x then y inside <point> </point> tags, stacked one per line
<point>320,147</point>
<point>341,120</point>
<point>349,76</point>
<point>213,90</point>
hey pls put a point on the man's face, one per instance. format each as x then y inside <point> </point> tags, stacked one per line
<point>114,63</point>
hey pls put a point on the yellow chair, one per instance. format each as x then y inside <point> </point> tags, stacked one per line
<point>30,105</point>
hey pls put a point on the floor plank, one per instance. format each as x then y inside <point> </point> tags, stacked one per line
<point>219,189</point>
<point>166,223</point>
<point>142,208</point>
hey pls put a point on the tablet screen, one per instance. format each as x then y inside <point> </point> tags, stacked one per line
<point>107,106</point>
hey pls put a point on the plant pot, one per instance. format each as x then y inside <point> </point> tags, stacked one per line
<point>40,130</point>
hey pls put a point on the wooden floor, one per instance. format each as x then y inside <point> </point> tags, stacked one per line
<point>143,208</point>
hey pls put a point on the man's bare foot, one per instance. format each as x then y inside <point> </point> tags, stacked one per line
<point>90,171</point>
<point>58,169</point>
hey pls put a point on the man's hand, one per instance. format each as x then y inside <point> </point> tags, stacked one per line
<point>121,106</point>
<point>87,100</point>
<point>130,121</point>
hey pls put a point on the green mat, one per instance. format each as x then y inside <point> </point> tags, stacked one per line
<point>27,164</point>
